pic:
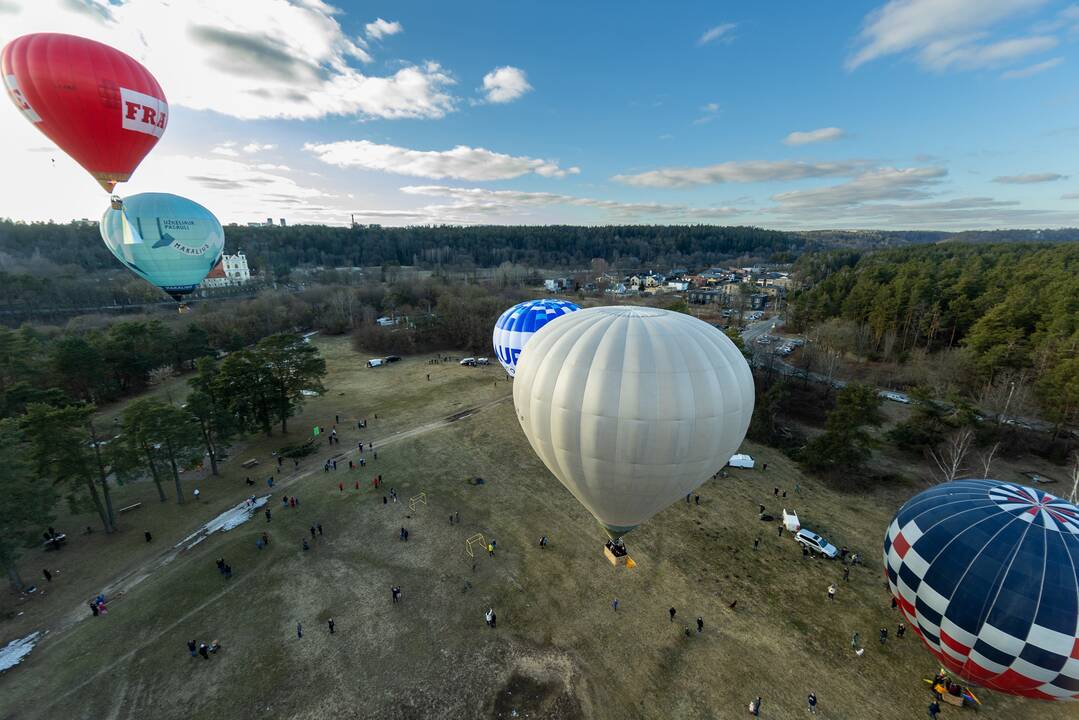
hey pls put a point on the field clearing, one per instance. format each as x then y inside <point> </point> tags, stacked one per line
<point>559,651</point>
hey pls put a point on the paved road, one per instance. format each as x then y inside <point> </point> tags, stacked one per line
<point>764,358</point>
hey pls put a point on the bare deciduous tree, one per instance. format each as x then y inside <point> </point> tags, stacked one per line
<point>1074,496</point>
<point>986,460</point>
<point>952,453</point>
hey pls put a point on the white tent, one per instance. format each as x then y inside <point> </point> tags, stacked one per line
<point>790,521</point>
<point>741,461</point>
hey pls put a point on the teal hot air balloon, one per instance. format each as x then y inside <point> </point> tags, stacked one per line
<point>165,239</point>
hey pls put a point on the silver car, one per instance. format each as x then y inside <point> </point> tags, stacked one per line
<point>816,543</point>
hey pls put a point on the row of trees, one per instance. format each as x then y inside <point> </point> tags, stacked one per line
<point>94,366</point>
<point>54,448</point>
<point>1009,314</point>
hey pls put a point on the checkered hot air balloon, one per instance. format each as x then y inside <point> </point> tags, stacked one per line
<point>519,323</point>
<point>987,573</point>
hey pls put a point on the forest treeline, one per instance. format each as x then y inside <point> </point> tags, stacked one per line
<point>553,246</point>
<point>99,360</point>
<point>1006,315</point>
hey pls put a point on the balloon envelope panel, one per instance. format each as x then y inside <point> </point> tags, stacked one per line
<point>518,324</point>
<point>100,106</point>
<point>168,240</point>
<point>632,408</point>
<point>987,574</point>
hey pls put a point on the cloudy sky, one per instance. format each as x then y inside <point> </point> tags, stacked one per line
<point>789,114</point>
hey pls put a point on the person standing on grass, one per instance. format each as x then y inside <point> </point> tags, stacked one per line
<point>855,640</point>
<point>700,624</point>
<point>756,542</point>
<point>148,536</point>
<point>614,604</point>
<point>672,612</point>
<point>330,623</point>
<point>901,631</point>
<point>299,631</point>
<point>341,488</point>
<point>204,650</point>
<point>812,701</point>
<point>883,635</point>
<point>490,550</point>
<point>312,532</point>
<point>306,547</point>
<point>846,573</point>
<point>47,574</point>
<point>488,615</point>
<point>268,515</point>
<point>780,528</point>
<point>319,528</point>
<point>192,647</point>
<point>934,710</point>
<point>831,592</point>
<point>755,707</point>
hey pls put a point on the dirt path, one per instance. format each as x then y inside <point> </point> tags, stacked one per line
<point>123,584</point>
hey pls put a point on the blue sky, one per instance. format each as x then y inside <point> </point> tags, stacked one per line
<point>925,114</point>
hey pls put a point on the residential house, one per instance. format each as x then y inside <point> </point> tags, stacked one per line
<point>700,296</point>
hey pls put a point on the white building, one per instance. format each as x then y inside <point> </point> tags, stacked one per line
<point>230,270</point>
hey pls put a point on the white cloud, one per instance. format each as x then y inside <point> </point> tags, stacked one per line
<point>876,184</point>
<point>814,136</point>
<point>1029,178</point>
<point>1032,69</point>
<point>719,32</point>
<point>748,171</point>
<point>961,54</point>
<point>505,84</point>
<point>462,162</point>
<point>248,58</point>
<point>711,112</point>
<point>382,28</point>
<point>254,147</point>
<point>944,33</point>
<point>484,202</point>
<point>228,149</point>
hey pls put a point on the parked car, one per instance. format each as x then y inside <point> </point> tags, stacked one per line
<point>470,361</point>
<point>816,543</point>
<point>374,362</point>
<point>391,358</point>
<point>895,397</point>
<point>483,361</point>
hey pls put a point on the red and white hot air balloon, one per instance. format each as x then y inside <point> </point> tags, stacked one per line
<point>100,106</point>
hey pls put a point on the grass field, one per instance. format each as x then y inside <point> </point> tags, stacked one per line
<point>559,651</point>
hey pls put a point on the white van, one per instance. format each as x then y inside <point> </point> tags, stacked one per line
<point>374,362</point>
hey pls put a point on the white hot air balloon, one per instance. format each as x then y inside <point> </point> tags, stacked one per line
<point>632,408</point>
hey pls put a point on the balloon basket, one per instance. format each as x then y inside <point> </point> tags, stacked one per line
<point>617,556</point>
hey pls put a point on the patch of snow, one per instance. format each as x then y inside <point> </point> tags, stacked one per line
<point>225,521</point>
<point>13,653</point>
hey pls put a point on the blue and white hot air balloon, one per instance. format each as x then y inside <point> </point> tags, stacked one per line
<point>519,323</point>
<point>165,239</point>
